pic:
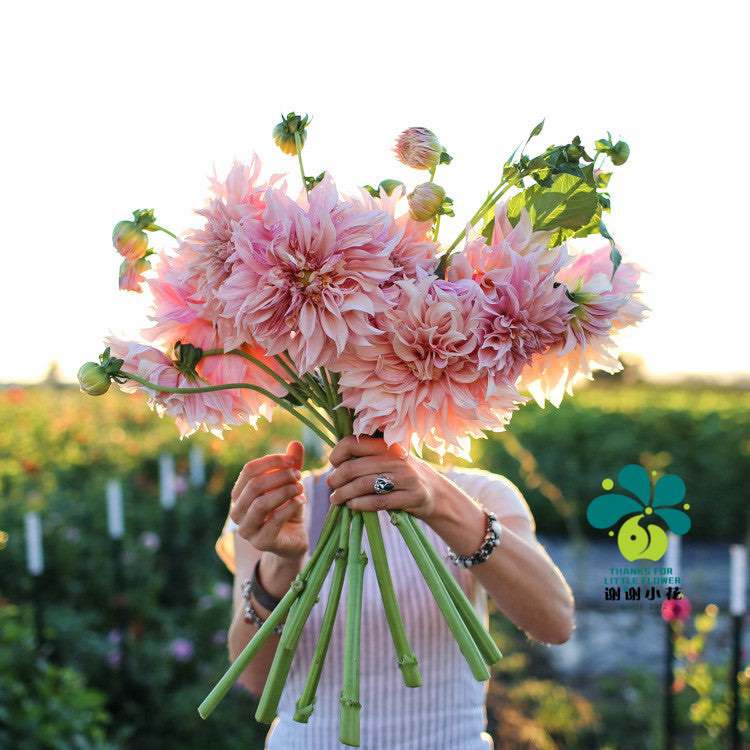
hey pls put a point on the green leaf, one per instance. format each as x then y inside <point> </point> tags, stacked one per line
<point>602,180</point>
<point>537,129</point>
<point>619,153</point>
<point>614,254</point>
<point>569,203</point>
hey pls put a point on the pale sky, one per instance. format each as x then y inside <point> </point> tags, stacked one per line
<point>110,107</point>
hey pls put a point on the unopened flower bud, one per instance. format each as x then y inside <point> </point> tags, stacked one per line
<point>419,148</point>
<point>426,201</point>
<point>129,240</point>
<point>93,379</point>
<point>290,128</point>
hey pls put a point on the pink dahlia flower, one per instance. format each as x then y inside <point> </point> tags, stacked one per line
<point>410,241</point>
<point>211,412</point>
<point>602,306</point>
<point>176,320</point>
<point>625,283</point>
<point>486,264</point>
<point>418,380</point>
<point>207,252</point>
<point>308,280</point>
<point>525,312</point>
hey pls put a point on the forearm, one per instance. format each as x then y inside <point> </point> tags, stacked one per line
<point>276,574</point>
<point>519,575</point>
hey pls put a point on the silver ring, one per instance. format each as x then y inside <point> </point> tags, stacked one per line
<point>383,485</point>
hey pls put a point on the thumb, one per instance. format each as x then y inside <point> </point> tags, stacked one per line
<point>296,450</point>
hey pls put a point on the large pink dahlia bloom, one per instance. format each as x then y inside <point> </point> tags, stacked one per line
<point>211,412</point>
<point>207,252</point>
<point>602,306</point>
<point>418,380</point>
<point>524,311</point>
<point>175,319</point>
<point>308,280</point>
<point>487,264</point>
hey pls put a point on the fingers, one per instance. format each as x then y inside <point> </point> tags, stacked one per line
<point>397,500</point>
<point>359,467</point>
<point>296,452</point>
<point>256,516</point>
<point>363,486</point>
<point>269,531</point>
<point>256,486</point>
<point>259,466</point>
<point>353,447</point>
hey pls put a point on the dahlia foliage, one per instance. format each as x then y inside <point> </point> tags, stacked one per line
<point>348,312</point>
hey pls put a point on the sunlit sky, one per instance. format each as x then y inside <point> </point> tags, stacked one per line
<point>114,106</point>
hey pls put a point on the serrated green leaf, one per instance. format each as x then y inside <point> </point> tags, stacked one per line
<point>568,203</point>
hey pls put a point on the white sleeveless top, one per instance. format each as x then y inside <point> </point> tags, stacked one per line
<point>448,711</point>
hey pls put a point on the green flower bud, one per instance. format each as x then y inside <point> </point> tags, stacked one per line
<point>290,126</point>
<point>130,241</point>
<point>426,201</point>
<point>619,153</point>
<point>93,379</point>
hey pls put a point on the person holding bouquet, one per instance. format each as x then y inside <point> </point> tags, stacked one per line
<point>277,512</point>
<point>348,313</point>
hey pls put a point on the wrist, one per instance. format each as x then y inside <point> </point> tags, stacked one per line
<point>458,520</point>
<point>277,573</point>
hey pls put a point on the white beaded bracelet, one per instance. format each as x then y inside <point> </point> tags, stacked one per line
<point>492,536</point>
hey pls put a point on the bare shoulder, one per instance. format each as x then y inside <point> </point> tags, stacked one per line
<point>497,493</point>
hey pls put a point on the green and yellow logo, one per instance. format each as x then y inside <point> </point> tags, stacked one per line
<point>644,516</point>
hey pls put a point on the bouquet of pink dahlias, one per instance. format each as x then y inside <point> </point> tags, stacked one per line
<point>349,314</point>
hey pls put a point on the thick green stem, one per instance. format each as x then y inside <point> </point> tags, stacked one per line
<point>306,702</point>
<point>228,386</point>
<point>238,666</point>
<point>350,705</point>
<point>405,657</point>
<point>284,656</point>
<point>452,616</point>
<point>296,387</point>
<point>490,652</point>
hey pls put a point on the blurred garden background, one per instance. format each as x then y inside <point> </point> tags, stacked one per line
<point>112,643</point>
<point>115,643</point>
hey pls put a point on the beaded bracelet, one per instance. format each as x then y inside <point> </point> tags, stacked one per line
<point>251,617</point>
<point>492,535</point>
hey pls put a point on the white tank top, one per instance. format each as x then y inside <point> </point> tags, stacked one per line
<point>448,712</point>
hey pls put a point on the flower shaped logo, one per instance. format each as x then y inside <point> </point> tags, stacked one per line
<point>642,535</point>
